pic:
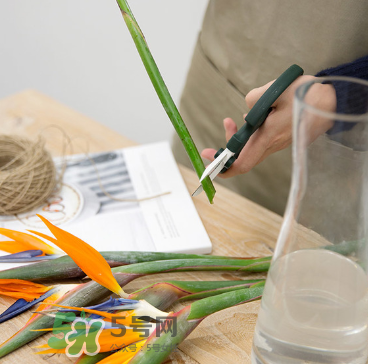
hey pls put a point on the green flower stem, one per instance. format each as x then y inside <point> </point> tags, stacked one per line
<point>189,290</point>
<point>164,96</point>
<point>250,265</point>
<point>200,286</point>
<point>217,291</point>
<point>65,268</point>
<point>346,247</point>
<point>206,306</point>
<point>184,327</point>
<point>86,359</point>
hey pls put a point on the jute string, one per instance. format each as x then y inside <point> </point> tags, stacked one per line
<point>28,176</point>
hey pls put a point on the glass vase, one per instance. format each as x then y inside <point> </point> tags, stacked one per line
<point>315,304</point>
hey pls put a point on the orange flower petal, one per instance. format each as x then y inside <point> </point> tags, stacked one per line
<point>87,258</point>
<point>28,241</point>
<point>44,236</point>
<point>48,329</point>
<point>19,288</point>
<point>44,346</point>
<point>52,351</point>
<point>14,247</point>
<point>20,281</point>
<point>27,296</point>
<point>122,318</point>
<point>111,337</point>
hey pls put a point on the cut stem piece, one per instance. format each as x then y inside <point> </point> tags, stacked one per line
<point>165,97</point>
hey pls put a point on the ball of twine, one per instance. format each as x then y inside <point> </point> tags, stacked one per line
<point>27,175</point>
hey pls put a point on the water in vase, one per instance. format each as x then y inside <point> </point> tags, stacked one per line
<point>306,319</point>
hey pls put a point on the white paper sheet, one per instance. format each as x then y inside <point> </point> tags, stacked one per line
<point>169,223</point>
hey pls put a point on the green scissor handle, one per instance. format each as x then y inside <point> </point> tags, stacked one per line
<point>259,112</point>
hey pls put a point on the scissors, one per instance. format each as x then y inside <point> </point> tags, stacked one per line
<point>224,158</point>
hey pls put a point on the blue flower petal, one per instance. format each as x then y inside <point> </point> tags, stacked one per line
<point>22,305</point>
<point>26,256</point>
<point>112,304</point>
<point>15,306</point>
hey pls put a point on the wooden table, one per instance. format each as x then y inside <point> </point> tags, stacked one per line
<point>236,226</point>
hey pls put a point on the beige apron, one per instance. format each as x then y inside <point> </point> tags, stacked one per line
<point>247,43</point>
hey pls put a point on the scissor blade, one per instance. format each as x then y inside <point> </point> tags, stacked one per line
<point>212,176</point>
<point>214,168</point>
<point>197,191</point>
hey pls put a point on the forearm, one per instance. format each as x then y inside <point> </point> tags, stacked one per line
<point>357,68</point>
<point>347,101</point>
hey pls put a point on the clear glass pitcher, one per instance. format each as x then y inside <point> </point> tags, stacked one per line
<point>315,304</point>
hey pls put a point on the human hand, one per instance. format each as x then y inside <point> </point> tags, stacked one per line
<point>276,132</point>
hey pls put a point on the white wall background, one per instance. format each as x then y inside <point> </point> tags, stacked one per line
<point>80,53</point>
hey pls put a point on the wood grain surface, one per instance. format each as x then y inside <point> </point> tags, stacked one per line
<point>236,226</point>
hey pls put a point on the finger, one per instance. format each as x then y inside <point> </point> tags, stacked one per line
<point>253,153</point>
<point>230,128</point>
<point>254,95</point>
<point>250,156</point>
<point>209,154</point>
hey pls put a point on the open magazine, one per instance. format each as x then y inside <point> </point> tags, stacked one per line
<point>168,222</point>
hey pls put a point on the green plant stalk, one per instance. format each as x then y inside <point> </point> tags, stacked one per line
<point>177,265</point>
<point>189,318</point>
<point>86,359</point>
<point>64,267</point>
<point>346,247</point>
<point>189,290</point>
<point>184,328</point>
<point>91,292</point>
<point>206,306</point>
<point>164,96</point>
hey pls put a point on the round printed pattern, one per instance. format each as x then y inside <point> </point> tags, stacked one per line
<point>60,209</point>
